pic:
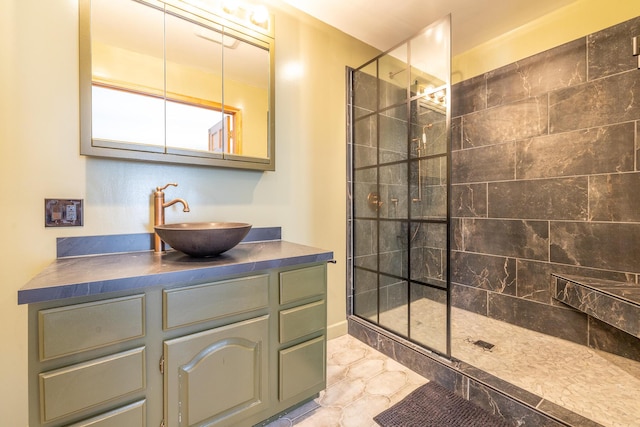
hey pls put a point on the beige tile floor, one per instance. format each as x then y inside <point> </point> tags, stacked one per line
<point>361,382</point>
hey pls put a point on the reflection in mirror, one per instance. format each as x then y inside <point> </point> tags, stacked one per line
<point>171,82</point>
<point>127,74</point>
<point>127,117</point>
<point>248,93</point>
<point>194,55</point>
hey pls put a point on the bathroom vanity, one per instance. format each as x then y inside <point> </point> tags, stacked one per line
<point>137,339</point>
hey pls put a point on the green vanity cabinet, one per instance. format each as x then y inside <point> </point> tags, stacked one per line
<point>302,368</point>
<point>219,376</point>
<point>88,359</point>
<point>232,351</point>
<point>129,415</point>
<point>210,301</point>
<point>302,320</point>
<point>73,329</point>
<point>71,389</point>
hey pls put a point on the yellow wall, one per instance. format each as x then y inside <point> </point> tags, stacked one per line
<point>568,23</point>
<point>39,158</point>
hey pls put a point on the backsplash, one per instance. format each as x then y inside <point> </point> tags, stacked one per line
<point>545,179</point>
<point>138,242</point>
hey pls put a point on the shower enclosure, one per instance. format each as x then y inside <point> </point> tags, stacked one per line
<point>400,176</point>
<point>502,235</point>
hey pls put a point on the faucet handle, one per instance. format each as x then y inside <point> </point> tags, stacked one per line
<point>158,189</point>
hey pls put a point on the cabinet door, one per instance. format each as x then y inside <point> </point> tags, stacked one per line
<point>303,369</point>
<point>217,377</point>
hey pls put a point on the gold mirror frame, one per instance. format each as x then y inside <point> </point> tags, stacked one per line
<point>99,148</point>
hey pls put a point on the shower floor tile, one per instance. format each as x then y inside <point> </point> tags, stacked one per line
<point>597,385</point>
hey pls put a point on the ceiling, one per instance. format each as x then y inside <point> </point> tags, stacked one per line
<point>386,23</point>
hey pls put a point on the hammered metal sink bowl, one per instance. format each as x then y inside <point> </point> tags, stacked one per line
<point>203,239</point>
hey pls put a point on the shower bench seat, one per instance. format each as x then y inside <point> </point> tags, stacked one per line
<point>615,303</point>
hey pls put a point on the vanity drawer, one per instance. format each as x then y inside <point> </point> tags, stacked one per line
<point>303,283</point>
<point>303,320</point>
<point>302,368</point>
<point>193,304</point>
<point>133,415</point>
<point>73,329</point>
<point>78,387</point>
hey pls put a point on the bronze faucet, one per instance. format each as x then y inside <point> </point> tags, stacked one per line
<point>158,213</point>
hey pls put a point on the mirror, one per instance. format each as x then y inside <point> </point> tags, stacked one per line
<point>168,81</point>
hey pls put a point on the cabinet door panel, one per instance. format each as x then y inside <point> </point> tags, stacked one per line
<point>217,376</point>
<point>302,283</point>
<point>210,301</point>
<point>302,368</point>
<point>133,415</point>
<point>72,329</point>
<point>300,321</point>
<point>78,387</point>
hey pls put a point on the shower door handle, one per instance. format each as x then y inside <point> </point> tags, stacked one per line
<point>374,201</point>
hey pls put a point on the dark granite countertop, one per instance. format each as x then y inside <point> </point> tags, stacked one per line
<point>96,274</point>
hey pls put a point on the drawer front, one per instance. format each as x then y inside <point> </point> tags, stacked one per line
<point>302,369</point>
<point>300,321</point>
<point>185,306</point>
<point>82,386</point>
<point>73,329</point>
<point>133,415</point>
<point>303,283</point>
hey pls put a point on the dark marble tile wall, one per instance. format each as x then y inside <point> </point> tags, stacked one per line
<point>612,340</point>
<point>545,174</point>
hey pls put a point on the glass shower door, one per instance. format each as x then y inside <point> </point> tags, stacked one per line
<point>400,169</point>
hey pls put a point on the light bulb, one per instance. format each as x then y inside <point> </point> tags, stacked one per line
<point>230,6</point>
<point>260,15</point>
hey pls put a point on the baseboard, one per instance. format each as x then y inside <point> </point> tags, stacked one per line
<point>337,329</point>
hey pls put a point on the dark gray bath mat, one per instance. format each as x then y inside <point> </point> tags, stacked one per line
<point>432,405</point>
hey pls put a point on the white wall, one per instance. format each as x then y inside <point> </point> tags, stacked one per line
<point>39,159</point>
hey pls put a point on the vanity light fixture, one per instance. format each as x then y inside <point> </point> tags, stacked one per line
<point>260,16</point>
<point>635,41</point>
<point>435,95</point>
<point>245,13</point>
<point>230,6</point>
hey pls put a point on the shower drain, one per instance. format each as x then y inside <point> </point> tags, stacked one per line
<point>483,344</point>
